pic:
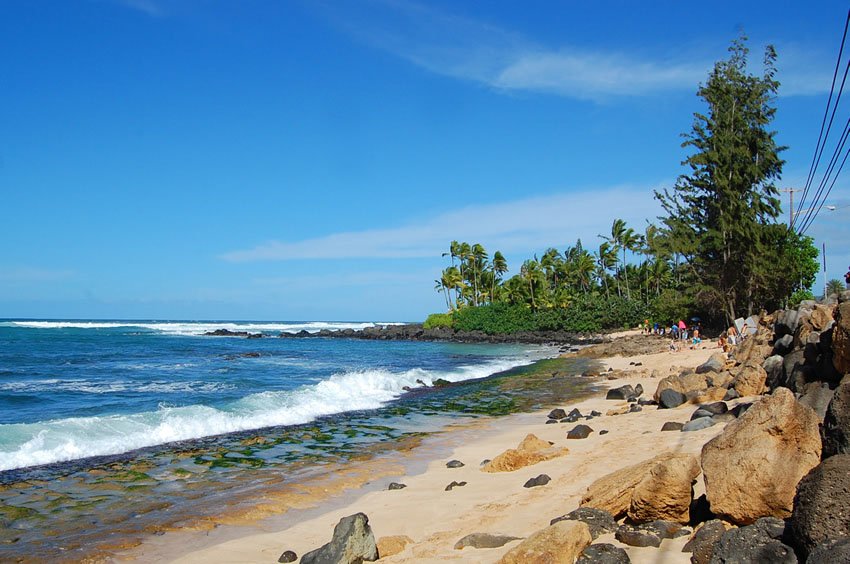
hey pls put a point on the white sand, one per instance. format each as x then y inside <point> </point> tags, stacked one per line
<point>493,503</point>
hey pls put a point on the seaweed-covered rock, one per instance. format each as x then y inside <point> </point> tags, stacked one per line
<point>822,504</point>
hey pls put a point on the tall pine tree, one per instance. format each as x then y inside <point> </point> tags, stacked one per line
<point>728,198</point>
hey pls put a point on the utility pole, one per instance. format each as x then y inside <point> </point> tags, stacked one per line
<point>790,192</point>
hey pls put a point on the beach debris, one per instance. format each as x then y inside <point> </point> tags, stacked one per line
<point>672,426</point>
<point>352,542</point>
<point>665,491</point>
<point>759,542</point>
<point>396,486</point>
<point>530,450</point>
<point>598,521</point>
<point>701,544</point>
<point>288,556</point>
<point>556,544</point>
<point>631,536</point>
<point>540,480</point>
<point>603,553</point>
<point>820,506</point>
<point>579,432</point>
<point>392,545</point>
<point>455,464</point>
<point>557,413</point>
<point>777,441</point>
<point>836,422</point>
<point>454,485</point>
<point>750,379</point>
<point>484,540</point>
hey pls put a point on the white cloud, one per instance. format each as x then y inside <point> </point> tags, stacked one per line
<point>528,225</point>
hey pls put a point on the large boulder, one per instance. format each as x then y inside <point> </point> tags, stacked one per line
<point>818,396</point>
<point>797,371</point>
<point>836,422</point>
<point>670,398</point>
<point>756,543</point>
<point>603,553</point>
<point>560,543</point>
<point>683,383</point>
<point>666,492</point>
<point>750,379</point>
<point>752,468</point>
<point>701,545</point>
<point>841,339</point>
<point>786,322</point>
<point>352,543</point>
<point>715,363</point>
<point>822,505</point>
<point>774,366</point>
<point>598,521</point>
<point>821,317</point>
<point>836,552</point>
<point>530,450</point>
<point>783,345</point>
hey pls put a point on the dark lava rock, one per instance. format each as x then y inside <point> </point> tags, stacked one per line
<point>288,556</point>
<point>786,322</point>
<point>670,398</point>
<point>715,408</point>
<point>731,394</point>
<point>740,409</point>
<point>724,417</point>
<point>575,413</point>
<point>647,401</point>
<point>352,542</point>
<point>783,345</point>
<point>818,396</point>
<point>484,540</point>
<point>621,393</point>
<point>834,552</point>
<point>636,537</point>
<point>597,520</point>
<point>701,546</point>
<point>603,432</point>
<point>775,368</point>
<point>714,364</point>
<point>822,504</point>
<point>455,464</point>
<point>664,529</point>
<point>540,480</point>
<point>551,421</point>
<point>634,408</point>
<point>396,486</point>
<point>557,413</point>
<point>639,387</point>
<point>440,383</point>
<point>758,542</point>
<point>835,432</point>
<point>454,485</point>
<point>672,426</point>
<point>698,424</point>
<point>603,553</point>
<point>226,333</point>
<point>700,413</point>
<point>596,413</point>
<point>579,432</point>
<point>571,418</point>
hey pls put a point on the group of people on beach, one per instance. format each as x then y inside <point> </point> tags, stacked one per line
<point>679,332</point>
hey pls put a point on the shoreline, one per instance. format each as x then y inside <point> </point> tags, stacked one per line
<point>494,503</point>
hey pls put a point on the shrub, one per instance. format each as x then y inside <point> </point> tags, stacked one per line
<point>438,320</point>
<point>495,319</point>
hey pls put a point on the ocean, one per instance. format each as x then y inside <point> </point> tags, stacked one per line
<point>114,428</point>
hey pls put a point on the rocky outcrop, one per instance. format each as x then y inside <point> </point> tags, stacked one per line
<point>750,379</point>
<point>352,543</point>
<point>665,492</point>
<point>752,469</point>
<point>822,505</point>
<point>841,339</point>
<point>530,451</point>
<point>759,542</point>
<point>836,422</point>
<point>560,543</point>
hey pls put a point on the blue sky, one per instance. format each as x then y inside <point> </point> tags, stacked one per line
<point>208,159</point>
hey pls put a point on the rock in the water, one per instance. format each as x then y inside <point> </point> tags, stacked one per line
<point>392,545</point>
<point>483,540</point>
<point>557,414</point>
<point>530,451</point>
<point>598,521</point>
<point>701,545</point>
<point>621,393</point>
<point>540,480</point>
<point>672,426</point>
<point>834,552</point>
<point>454,464</point>
<point>841,339</point>
<point>288,556</point>
<point>603,553</point>
<point>636,537</point>
<point>754,543</point>
<point>396,486</point>
<point>750,379</point>
<point>579,432</point>
<point>560,543</point>
<point>670,398</point>
<point>698,424</point>
<point>715,363</point>
<point>352,543</point>
<point>752,468</point>
<point>836,422</point>
<point>822,504</point>
<point>665,492</point>
<point>454,485</point>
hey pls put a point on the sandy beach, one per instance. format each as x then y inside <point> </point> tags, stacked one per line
<point>435,519</point>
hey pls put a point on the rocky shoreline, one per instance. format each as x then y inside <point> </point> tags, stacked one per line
<point>416,332</point>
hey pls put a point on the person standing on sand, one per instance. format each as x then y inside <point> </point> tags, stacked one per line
<point>683,330</point>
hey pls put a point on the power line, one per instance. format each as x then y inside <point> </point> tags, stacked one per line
<point>820,196</point>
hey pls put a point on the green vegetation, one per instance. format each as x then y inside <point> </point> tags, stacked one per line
<point>834,286</point>
<point>718,252</point>
<point>436,320</point>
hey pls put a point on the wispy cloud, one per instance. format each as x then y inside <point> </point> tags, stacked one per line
<point>527,225</point>
<point>472,50</point>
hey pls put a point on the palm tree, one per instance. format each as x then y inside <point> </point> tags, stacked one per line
<point>452,280</point>
<point>500,266</point>
<point>440,286</point>
<point>606,258</point>
<point>834,286</point>
<point>584,268</point>
<point>530,271</point>
<point>478,259</point>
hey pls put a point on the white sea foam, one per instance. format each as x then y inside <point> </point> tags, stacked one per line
<point>198,327</point>
<point>95,387</point>
<point>23,445</point>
